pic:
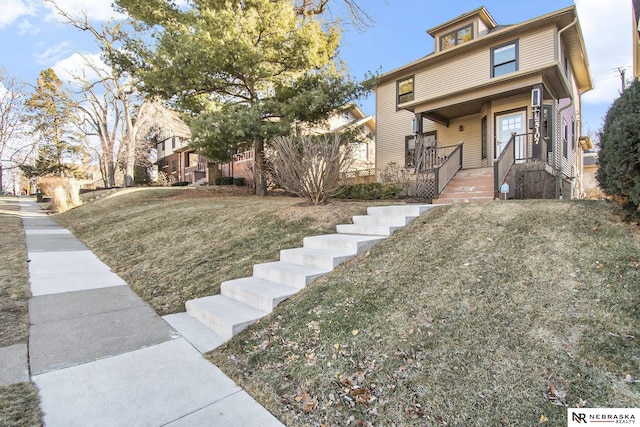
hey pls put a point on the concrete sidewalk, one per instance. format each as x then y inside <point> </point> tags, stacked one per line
<point>101,356</point>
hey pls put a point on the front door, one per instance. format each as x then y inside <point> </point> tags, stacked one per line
<point>506,124</point>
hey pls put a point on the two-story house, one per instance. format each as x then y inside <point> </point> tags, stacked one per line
<point>362,168</point>
<point>177,159</point>
<point>488,100</point>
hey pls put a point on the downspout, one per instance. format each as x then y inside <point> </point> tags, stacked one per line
<point>558,164</point>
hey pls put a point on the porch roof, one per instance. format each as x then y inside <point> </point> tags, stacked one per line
<point>471,99</point>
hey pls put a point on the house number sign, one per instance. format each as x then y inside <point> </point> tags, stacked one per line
<point>535,103</point>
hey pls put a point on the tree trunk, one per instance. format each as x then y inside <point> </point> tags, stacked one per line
<point>260,174</point>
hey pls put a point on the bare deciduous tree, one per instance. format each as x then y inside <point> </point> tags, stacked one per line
<point>309,166</point>
<point>15,146</point>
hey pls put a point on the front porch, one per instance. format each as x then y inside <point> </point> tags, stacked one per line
<point>523,165</point>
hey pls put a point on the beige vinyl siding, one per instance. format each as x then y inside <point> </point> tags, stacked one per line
<point>537,48</point>
<point>470,136</point>
<point>474,68</point>
<point>392,126</point>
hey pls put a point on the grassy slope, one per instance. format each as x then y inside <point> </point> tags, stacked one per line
<point>494,314</point>
<point>19,402</point>
<point>173,245</point>
<point>474,315</point>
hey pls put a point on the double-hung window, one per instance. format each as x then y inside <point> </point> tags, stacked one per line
<point>504,59</point>
<point>405,90</point>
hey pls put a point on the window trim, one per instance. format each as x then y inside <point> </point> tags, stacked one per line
<point>413,89</point>
<point>565,138</point>
<point>516,44</point>
<point>455,34</point>
<point>484,138</point>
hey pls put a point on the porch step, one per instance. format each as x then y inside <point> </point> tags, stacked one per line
<point>223,315</point>
<point>297,276</point>
<point>245,300</point>
<point>469,185</point>
<point>259,293</point>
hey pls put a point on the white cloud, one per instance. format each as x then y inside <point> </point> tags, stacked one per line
<point>12,10</point>
<point>96,10</point>
<point>606,27</point>
<point>80,66</point>
<point>54,54</point>
<point>26,27</point>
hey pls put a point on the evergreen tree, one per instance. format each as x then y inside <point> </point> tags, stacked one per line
<point>619,171</point>
<point>232,64</point>
<point>51,114</point>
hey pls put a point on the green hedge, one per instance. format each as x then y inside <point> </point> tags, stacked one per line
<point>369,191</point>
<point>239,182</point>
<point>225,180</point>
<point>180,184</point>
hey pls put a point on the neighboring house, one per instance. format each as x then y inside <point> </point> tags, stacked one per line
<point>589,181</point>
<point>362,168</point>
<point>499,99</point>
<point>177,159</point>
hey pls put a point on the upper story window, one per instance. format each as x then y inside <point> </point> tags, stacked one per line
<point>405,90</point>
<point>456,37</point>
<point>504,59</point>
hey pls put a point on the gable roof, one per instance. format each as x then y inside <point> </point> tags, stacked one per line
<point>482,12</point>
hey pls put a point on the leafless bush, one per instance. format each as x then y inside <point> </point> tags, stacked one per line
<point>394,173</point>
<point>309,166</point>
<point>164,180</point>
<point>64,192</point>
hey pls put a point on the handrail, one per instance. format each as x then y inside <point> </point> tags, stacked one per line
<point>431,157</point>
<point>445,171</point>
<point>503,164</point>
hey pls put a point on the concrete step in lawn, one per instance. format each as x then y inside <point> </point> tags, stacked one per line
<point>244,301</point>
<point>225,316</point>
<point>259,293</point>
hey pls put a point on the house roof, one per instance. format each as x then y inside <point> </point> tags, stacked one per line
<point>565,20</point>
<point>482,12</point>
<point>590,159</point>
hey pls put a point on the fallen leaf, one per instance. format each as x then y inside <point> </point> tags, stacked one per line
<point>543,419</point>
<point>354,332</point>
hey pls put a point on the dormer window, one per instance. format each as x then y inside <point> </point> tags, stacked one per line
<point>456,37</point>
<point>405,90</point>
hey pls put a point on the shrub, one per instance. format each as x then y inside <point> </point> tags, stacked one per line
<point>225,180</point>
<point>619,171</point>
<point>309,166</point>
<point>370,191</point>
<point>180,184</point>
<point>239,182</point>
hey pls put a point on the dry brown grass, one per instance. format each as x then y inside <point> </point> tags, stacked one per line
<point>475,315</point>
<point>492,314</point>
<point>14,275</point>
<point>175,244</point>
<point>19,402</point>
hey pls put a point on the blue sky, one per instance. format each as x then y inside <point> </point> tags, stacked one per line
<point>32,39</point>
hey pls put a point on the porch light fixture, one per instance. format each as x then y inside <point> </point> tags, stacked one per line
<point>460,128</point>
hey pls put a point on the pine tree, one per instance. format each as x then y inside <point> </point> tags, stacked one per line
<point>51,114</point>
<point>619,171</point>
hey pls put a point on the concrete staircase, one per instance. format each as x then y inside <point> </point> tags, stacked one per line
<point>244,301</point>
<point>468,185</point>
